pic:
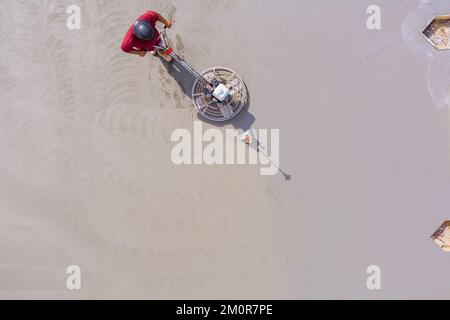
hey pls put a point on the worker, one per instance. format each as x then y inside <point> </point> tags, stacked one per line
<point>142,37</point>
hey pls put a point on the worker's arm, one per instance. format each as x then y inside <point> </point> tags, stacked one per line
<point>128,47</point>
<point>138,53</point>
<point>167,22</point>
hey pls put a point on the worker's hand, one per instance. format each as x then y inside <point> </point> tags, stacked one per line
<point>142,53</point>
<point>169,23</point>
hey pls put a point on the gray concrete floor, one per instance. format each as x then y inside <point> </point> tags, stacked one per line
<point>86,176</point>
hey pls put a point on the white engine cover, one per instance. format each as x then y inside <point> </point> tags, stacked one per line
<point>221,92</point>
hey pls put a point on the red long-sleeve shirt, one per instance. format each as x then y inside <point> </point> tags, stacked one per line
<point>131,42</point>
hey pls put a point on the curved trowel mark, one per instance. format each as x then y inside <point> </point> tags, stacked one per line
<point>438,73</point>
<point>219,6</point>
